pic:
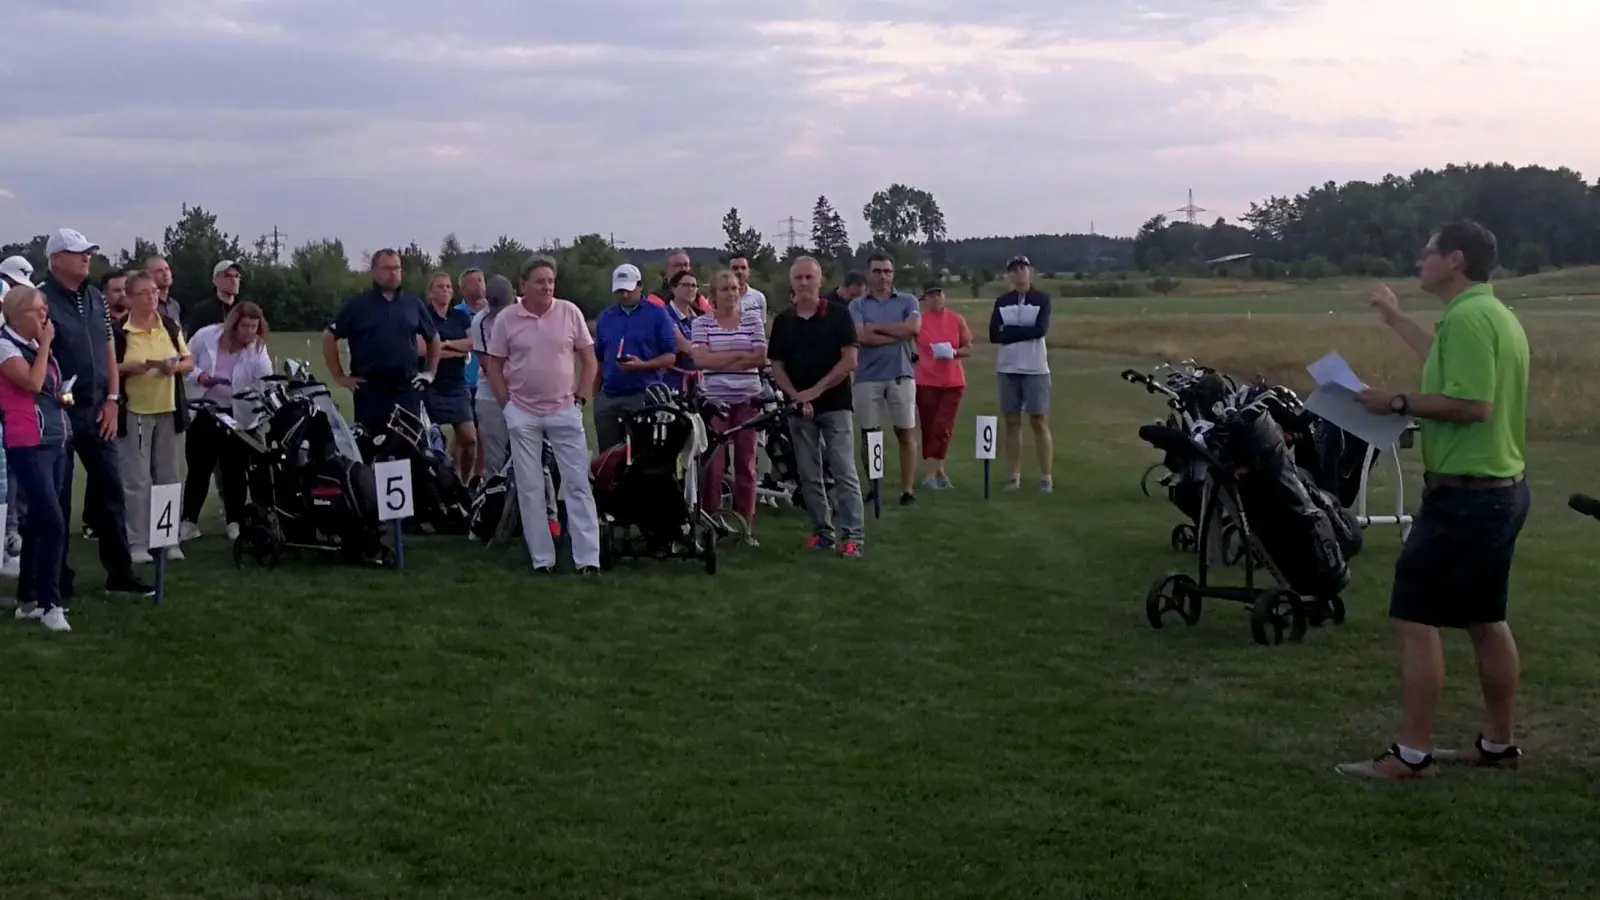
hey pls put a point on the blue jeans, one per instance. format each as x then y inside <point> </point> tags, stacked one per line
<point>830,436</point>
<point>41,474</point>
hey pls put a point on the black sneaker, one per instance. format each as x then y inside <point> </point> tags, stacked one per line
<point>544,570</point>
<point>908,499</point>
<point>588,571</point>
<point>129,584</point>
<point>1477,756</point>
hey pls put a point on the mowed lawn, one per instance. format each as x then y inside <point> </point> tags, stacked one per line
<point>975,708</point>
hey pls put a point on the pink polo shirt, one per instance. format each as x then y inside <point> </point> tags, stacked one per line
<point>540,354</point>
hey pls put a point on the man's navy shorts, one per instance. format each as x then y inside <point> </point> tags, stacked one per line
<point>1455,568</point>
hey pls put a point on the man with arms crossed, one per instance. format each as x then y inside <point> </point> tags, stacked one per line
<point>1455,568</point>
<point>813,350</point>
<point>529,365</point>
<point>887,322</point>
<point>1019,324</point>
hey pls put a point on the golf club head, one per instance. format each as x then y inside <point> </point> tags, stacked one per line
<point>1585,504</point>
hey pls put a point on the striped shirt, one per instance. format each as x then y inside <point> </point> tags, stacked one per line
<point>730,387</point>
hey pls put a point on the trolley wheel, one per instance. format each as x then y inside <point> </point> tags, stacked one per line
<point>1144,480</point>
<point>380,554</point>
<point>1336,610</point>
<point>1184,538</point>
<point>1233,545</point>
<point>256,545</point>
<point>1174,593</point>
<point>1274,614</point>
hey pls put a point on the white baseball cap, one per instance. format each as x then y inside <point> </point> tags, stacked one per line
<point>17,269</point>
<point>65,240</point>
<point>223,266</point>
<point>625,277</point>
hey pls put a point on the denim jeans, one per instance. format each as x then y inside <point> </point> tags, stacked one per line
<point>830,436</point>
<point>40,473</point>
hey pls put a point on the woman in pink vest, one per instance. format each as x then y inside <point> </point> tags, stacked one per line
<point>944,341</point>
<point>33,402</point>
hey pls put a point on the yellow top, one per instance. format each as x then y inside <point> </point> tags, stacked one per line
<point>151,393</point>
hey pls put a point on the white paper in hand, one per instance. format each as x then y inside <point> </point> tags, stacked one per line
<point>1343,408</point>
<point>1026,315</point>
<point>1008,314</point>
<point>943,350</point>
<point>1332,369</point>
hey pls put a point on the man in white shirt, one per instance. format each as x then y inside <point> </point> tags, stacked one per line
<point>750,299</point>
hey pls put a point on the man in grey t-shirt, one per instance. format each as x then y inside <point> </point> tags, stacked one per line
<point>887,322</point>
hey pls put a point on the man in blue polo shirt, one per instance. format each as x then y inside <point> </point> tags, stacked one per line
<point>636,343</point>
<point>887,321</point>
<point>382,324</point>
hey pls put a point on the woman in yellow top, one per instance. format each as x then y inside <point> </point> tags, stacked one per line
<point>153,358</point>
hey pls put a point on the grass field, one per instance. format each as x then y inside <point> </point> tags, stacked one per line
<point>976,708</point>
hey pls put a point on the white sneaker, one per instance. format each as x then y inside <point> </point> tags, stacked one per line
<point>11,567</point>
<point>28,611</point>
<point>188,531</point>
<point>174,552</point>
<point>232,531</point>
<point>14,543</point>
<point>141,557</point>
<point>56,620</point>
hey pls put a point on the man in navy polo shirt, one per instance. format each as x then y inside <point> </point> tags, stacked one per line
<point>635,342</point>
<point>381,325</point>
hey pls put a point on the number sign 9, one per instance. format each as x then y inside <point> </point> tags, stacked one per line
<point>986,436</point>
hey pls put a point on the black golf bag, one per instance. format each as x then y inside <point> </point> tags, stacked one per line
<point>442,502</point>
<point>1304,528</point>
<point>308,486</point>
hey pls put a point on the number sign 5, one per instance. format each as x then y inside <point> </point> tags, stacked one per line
<point>394,489</point>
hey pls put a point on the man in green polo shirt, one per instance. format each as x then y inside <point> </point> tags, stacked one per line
<point>1455,568</point>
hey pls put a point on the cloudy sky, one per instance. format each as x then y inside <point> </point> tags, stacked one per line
<point>384,121</point>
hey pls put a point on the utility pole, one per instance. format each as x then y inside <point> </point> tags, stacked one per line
<point>793,233</point>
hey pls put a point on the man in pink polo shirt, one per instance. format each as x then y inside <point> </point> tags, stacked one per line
<point>529,365</point>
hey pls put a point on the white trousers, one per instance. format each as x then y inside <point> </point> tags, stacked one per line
<point>564,432</point>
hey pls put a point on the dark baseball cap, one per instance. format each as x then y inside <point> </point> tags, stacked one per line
<point>1017,262</point>
<point>929,287</point>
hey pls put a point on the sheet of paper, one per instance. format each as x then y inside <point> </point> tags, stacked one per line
<point>1008,315</point>
<point>1343,408</point>
<point>1332,369</point>
<point>1026,315</point>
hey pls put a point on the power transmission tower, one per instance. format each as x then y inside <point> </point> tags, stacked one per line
<point>1191,210</point>
<point>278,239</point>
<point>793,232</point>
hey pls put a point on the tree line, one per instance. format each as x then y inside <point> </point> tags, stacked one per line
<point>1542,217</point>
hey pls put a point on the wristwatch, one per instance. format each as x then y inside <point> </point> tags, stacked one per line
<point>1399,405</point>
<point>113,398</point>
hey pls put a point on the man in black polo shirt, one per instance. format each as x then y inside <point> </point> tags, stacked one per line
<point>381,326</point>
<point>813,350</point>
<point>225,278</point>
<point>855,286</point>
<point>83,351</point>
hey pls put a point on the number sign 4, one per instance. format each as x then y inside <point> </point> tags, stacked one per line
<point>395,499</point>
<point>166,503</point>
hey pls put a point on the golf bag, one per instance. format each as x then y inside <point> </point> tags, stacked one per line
<point>441,501</point>
<point>1310,536</point>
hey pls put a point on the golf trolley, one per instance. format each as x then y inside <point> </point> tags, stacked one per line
<point>1248,470</point>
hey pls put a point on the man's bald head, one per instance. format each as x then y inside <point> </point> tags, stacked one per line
<point>805,277</point>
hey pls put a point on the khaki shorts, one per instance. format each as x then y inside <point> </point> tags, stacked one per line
<point>899,395</point>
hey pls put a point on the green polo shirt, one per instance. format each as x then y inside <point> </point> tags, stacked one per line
<point>1479,352</point>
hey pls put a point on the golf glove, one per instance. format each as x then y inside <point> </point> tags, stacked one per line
<point>422,380</point>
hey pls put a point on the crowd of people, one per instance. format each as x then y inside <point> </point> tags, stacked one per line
<point>103,374</point>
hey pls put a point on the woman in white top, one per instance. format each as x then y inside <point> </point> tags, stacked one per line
<point>494,444</point>
<point>228,359</point>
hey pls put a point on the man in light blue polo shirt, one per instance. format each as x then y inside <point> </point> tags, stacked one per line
<point>636,343</point>
<point>887,322</point>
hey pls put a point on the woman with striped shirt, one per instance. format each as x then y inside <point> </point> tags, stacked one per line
<point>730,347</point>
